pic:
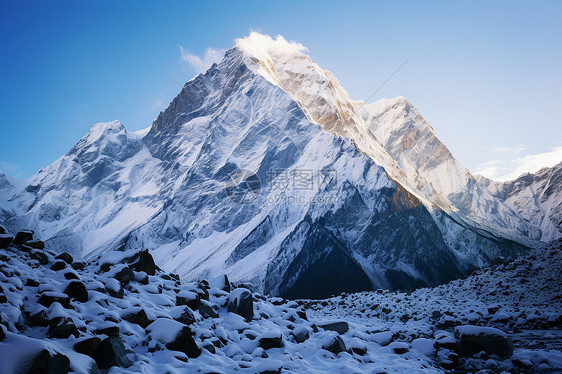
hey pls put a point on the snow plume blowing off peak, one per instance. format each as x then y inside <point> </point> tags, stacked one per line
<point>263,46</point>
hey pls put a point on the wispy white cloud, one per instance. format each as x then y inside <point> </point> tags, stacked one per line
<point>508,169</point>
<point>204,62</point>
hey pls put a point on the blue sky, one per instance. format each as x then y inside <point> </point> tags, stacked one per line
<point>486,75</point>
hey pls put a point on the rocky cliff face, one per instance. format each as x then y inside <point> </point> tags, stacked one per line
<point>263,168</point>
<point>535,197</point>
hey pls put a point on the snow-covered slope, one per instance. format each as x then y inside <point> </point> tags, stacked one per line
<point>333,201</point>
<point>391,131</point>
<point>535,197</point>
<point>120,313</point>
<point>100,190</point>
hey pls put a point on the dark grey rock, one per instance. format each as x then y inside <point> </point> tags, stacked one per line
<point>77,290</point>
<point>5,240</point>
<point>143,261</point>
<point>111,331</point>
<point>66,257</point>
<point>45,362</point>
<point>23,236</point>
<point>87,346</point>
<point>185,343</point>
<point>35,244</point>
<point>473,339</point>
<point>58,265</point>
<point>240,301</point>
<point>340,327</point>
<point>190,300</point>
<point>71,275</point>
<point>47,298</point>
<point>268,342</point>
<point>77,265</point>
<point>118,294</point>
<point>300,334</point>
<point>39,318</point>
<point>335,345</point>
<point>112,352</point>
<point>138,317</point>
<point>40,257</point>
<point>207,310</point>
<point>186,317</point>
<point>124,276</point>
<point>62,328</point>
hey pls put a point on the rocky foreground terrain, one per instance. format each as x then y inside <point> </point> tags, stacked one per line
<point>122,314</point>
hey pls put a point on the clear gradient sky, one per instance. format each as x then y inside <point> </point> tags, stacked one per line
<point>487,75</point>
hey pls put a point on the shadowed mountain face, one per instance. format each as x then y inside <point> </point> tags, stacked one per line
<point>316,211</point>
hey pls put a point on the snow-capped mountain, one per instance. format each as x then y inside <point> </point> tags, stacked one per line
<point>265,169</point>
<point>535,197</point>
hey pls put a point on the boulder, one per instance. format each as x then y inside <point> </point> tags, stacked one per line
<point>62,328</point>
<point>271,340</point>
<point>58,265</point>
<point>334,344</point>
<point>49,297</point>
<point>143,261</point>
<point>340,327</point>
<point>35,244</point>
<point>301,334</point>
<point>175,336</point>
<point>87,346</point>
<point>399,347</point>
<point>112,352</point>
<point>77,265</point>
<point>23,236</point>
<point>40,257</point>
<point>111,330</point>
<point>50,363</point>
<point>137,316</point>
<point>2,333</point>
<point>66,257</point>
<point>188,298</point>
<point>221,282</point>
<point>207,310</point>
<point>77,291</point>
<point>124,276</point>
<point>38,317</point>
<point>71,275</point>
<point>240,302</point>
<point>3,230</point>
<point>5,240</point>
<point>475,339</point>
<point>114,288</point>
<point>184,316</point>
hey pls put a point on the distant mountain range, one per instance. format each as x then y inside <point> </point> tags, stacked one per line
<point>265,169</point>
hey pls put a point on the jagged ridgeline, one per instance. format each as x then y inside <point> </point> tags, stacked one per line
<point>263,168</point>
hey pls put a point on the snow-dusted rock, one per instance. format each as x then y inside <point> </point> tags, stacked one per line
<point>240,302</point>
<point>474,339</point>
<point>334,343</point>
<point>270,340</point>
<point>340,327</point>
<point>174,335</point>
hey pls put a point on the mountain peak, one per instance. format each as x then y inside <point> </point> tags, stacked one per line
<point>103,129</point>
<point>264,47</point>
